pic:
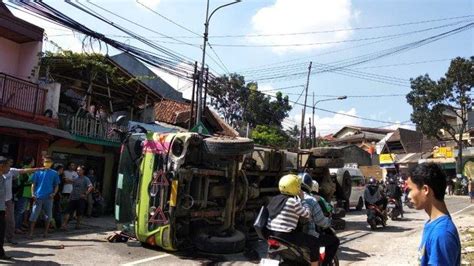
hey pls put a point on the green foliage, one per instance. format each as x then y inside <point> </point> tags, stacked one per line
<point>239,102</point>
<point>269,136</point>
<point>430,99</point>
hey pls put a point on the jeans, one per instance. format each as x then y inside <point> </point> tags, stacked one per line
<point>2,232</point>
<point>9,220</point>
<point>42,204</point>
<point>20,208</point>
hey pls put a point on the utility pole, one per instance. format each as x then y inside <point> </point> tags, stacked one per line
<point>313,143</point>
<point>304,107</point>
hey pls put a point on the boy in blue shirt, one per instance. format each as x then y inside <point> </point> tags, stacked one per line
<point>45,186</point>
<point>440,243</point>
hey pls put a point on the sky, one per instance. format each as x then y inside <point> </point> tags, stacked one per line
<point>272,42</point>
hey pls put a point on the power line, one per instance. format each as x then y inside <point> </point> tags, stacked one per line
<point>219,58</point>
<point>170,20</point>
<point>342,41</point>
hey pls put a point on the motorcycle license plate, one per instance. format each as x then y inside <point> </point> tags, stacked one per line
<point>269,262</point>
<point>391,206</point>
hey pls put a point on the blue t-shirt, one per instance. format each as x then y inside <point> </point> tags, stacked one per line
<point>45,181</point>
<point>440,243</point>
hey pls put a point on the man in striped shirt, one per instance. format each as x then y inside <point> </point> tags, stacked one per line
<point>284,212</point>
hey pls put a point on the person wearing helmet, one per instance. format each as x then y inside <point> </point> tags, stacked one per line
<point>284,212</point>
<point>374,195</point>
<point>318,221</point>
<point>394,191</point>
<point>325,206</point>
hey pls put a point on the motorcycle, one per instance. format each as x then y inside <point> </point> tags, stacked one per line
<point>280,252</point>
<point>393,209</point>
<point>375,216</point>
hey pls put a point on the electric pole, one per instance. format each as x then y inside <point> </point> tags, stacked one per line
<point>304,106</point>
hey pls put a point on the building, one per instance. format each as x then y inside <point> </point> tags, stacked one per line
<point>363,137</point>
<point>25,129</point>
<point>179,114</point>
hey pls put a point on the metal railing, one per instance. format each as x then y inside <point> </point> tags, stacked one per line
<point>21,95</point>
<point>90,127</point>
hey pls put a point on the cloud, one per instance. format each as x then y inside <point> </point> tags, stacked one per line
<point>327,124</point>
<point>291,16</point>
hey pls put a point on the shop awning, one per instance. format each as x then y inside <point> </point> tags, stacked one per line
<point>445,163</point>
<point>11,123</point>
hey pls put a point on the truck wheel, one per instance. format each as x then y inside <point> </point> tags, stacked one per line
<point>344,186</point>
<point>328,162</point>
<point>327,152</point>
<point>360,204</point>
<point>231,243</point>
<point>228,146</point>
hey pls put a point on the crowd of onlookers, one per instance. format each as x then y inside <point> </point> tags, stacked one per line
<point>53,192</point>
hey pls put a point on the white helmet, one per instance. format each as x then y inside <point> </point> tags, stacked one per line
<point>315,186</point>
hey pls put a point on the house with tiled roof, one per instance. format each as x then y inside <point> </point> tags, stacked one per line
<point>363,137</point>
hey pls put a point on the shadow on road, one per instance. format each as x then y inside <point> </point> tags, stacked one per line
<point>364,226</point>
<point>30,262</point>
<point>20,254</point>
<point>349,254</point>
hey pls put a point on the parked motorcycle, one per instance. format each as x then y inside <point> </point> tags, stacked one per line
<point>393,209</point>
<point>281,252</point>
<point>375,216</point>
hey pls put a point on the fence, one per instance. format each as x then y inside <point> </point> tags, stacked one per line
<point>21,95</point>
<point>90,128</point>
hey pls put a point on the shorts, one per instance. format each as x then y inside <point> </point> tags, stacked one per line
<point>471,194</point>
<point>45,205</point>
<point>78,206</point>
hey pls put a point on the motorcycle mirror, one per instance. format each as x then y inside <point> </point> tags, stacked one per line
<point>120,120</point>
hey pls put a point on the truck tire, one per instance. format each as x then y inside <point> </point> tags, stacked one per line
<point>232,243</point>
<point>328,162</point>
<point>327,153</point>
<point>228,146</point>
<point>344,187</point>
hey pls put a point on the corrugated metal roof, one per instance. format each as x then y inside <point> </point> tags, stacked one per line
<point>11,123</point>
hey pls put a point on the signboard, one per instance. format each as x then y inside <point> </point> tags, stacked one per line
<point>386,158</point>
<point>443,152</point>
<point>200,128</point>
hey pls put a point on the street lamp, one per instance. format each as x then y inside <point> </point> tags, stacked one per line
<point>314,107</point>
<point>201,76</point>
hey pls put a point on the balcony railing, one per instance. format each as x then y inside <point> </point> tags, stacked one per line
<point>90,128</point>
<point>21,95</point>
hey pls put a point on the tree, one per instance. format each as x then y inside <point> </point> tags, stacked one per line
<point>241,103</point>
<point>432,99</point>
<point>269,136</point>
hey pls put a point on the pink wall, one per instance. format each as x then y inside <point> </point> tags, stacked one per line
<point>9,56</point>
<point>19,59</point>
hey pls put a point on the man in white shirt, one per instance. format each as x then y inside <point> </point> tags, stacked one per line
<point>69,175</point>
<point>12,174</point>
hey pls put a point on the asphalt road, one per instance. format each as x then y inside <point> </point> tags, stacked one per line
<point>359,245</point>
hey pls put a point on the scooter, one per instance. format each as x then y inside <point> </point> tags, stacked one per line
<point>280,252</point>
<point>393,209</point>
<point>375,216</point>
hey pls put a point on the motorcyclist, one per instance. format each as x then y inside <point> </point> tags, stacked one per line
<point>374,195</point>
<point>394,191</point>
<point>284,212</point>
<point>325,206</point>
<point>318,221</point>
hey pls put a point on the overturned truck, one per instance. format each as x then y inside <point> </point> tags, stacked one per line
<point>184,189</point>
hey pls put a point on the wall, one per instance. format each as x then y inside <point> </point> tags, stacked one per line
<point>28,60</point>
<point>9,56</point>
<point>52,97</point>
<point>20,59</point>
<point>72,147</point>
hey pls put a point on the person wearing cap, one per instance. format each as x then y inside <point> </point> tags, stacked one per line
<point>3,170</point>
<point>45,186</point>
<point>12,174</point>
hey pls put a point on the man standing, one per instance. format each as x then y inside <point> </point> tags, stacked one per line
<point>12,174</point>
<point>82,186</point>
<point>440,243</point>
<point>3,171</point>
<point>45,186</point>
